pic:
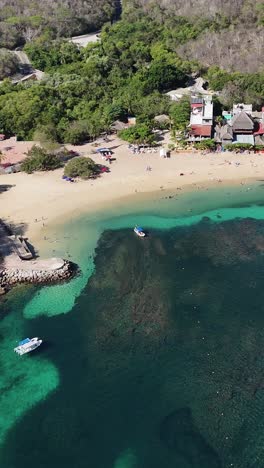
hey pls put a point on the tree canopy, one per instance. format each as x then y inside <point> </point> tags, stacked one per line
<point>81,167</point>
<point>8,63</point>
<point>85,90</point>
<point>39,159</point>
<point>140,133</point>
<point>180,113</point>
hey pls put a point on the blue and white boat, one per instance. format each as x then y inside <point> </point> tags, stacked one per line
<point>27,345</point>
<point>139,231</point>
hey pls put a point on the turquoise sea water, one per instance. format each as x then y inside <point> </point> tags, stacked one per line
<point>153,354</point>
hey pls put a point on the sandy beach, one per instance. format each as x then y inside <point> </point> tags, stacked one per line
<point>39,200</point>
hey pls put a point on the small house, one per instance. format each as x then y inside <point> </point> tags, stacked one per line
<point>201,119</point>
<point>259,129</point>
<point>243,128</point>
<point>117,126</point>
<point>162,119</point>
<point>259,134</point>
<point>200,132</point>
<point>238,108</point>
<point>223,134</point>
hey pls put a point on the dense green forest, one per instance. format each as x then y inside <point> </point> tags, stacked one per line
<point>127,72</point>
<point>85,90</point>
<point>24,20</point>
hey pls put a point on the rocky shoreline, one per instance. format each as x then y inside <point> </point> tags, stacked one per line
<point>12,276</point>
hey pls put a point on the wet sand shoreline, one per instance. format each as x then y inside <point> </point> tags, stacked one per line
<point>38,201</point>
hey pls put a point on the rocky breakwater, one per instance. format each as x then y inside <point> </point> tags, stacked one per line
<point>35,272</point>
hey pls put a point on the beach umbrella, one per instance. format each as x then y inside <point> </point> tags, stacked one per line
<point>100,150</point>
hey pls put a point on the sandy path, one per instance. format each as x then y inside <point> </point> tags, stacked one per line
<point>47,198</point>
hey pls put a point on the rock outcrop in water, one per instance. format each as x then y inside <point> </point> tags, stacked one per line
<point>56,270</point>
<point>19,264</point>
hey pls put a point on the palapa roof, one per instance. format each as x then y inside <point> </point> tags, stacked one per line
<point>226,132</point>
<point>118,125</point>
<point>242,121</point>
<point>163,118</point>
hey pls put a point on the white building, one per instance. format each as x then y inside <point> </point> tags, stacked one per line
<point>237,108</point>
<point>201,119</point>
<point>201,111</point>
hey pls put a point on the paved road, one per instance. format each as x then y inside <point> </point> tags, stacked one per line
<point>95,37</point>
<point>85,39</point>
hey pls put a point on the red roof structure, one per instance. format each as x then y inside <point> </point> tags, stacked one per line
<point>201,130</point>
<point>194,105</point>
<point>260,130</point>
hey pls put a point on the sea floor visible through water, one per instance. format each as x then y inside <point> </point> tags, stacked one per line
<point>152,355</point>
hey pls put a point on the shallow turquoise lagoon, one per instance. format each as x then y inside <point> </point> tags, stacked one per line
<point>153,353</point>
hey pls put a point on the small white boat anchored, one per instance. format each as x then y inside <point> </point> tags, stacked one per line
<point>27,345</point>
<point>139,231</point>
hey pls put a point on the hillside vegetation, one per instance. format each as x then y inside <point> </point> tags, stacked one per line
<point>24,20</point>
<point>238,10</point>
<point>8,63</point>
<point>85,90</point>
<point>232,49</point>
<point>226,33</point>
<point>128,72</point>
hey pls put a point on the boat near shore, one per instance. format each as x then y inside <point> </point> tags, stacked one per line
<point>27,345</point>
<point>22,248</point>
<point>139,231</point>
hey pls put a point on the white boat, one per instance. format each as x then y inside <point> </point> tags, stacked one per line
<point>27,345</point>
<point>139,231</point>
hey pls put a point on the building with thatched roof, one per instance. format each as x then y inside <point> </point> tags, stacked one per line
<point>242,123</point>
<point>243,127</point>
<point>162,119</point>
<point>223,134</point>
<point>117,126</point>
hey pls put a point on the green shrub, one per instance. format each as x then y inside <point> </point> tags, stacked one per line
<point>38,159</point>
<point>141,134</point>
<point>8,63</point>
<point>81,167</point>
<point>205,144</point>
<point>239,146</point>
<point>47,136</point>
<point>76,133</point>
